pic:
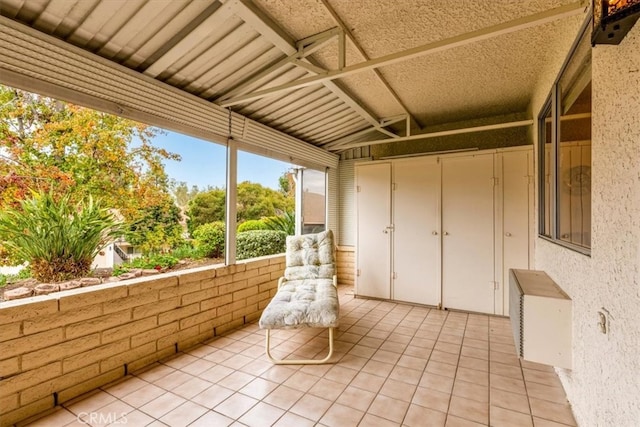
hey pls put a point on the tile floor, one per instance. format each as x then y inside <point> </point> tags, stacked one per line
<point>395,365</point>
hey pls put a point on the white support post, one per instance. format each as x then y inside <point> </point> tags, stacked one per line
<point>298,179</point>
<point>231,201</point>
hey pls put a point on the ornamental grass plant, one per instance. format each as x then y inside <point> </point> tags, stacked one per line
<point>57,236</point>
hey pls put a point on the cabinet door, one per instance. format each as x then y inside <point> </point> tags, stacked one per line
<point>517,194</point>
<point>373,252</point>
<point>416,238</point>
<point>468,233</point>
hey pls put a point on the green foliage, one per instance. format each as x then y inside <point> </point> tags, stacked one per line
<point>6,279</point>
<point>252,224</point>
<point>251,244</point>
<point>156,262</point>
<point>253,202</point>
<point>285,222</point>
<point>49,145</point>
<point>209,239</point>
<point>206,207</point>
<point>187,251</point>
<point>157,228</point>
<point>58,238</point>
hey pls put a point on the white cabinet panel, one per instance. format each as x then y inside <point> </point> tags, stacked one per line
<point>416,218</point>
<point>468,233</point>
<point>373,254</point>
<point>517,191</point>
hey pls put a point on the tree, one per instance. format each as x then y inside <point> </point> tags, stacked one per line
<point>157,228</point>
<point>182,193</point>
<point>253,202</point>
<point>51,146</point>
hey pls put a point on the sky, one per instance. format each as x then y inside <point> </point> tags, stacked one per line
<point>203,163</point>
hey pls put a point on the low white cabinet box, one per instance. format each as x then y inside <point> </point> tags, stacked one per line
<point>540,315</point>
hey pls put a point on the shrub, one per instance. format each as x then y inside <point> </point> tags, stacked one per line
<point>187,250</point>
<point>285,222</point>
<point>209,238</point>
<point>252,224</point>
<point>251,244</point>
<point>157,262</point>
<point>59,238</point>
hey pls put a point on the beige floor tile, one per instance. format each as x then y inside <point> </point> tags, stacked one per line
<point>367,381</point>
<point>472,376</point>
<point>536,366</point>
<point>327,389</point>
<point>362,351</point>
<point>545,378</point>
<point>154,372</point>
<point>218,356</point>
<point>471,342</point>
<point>471,391</point>
<point>162,405</point>
<point>180,360</point>
<point>293,420</point>
<point>211,397</point>
<point>432,399</point>
<point>340,416</point>
<point>442,369</point>
<point>143,395</point>
<point>301,381</point>
<point>508,384</point>
<point>192,387</point>
<point>278,373</point>
<point>356,398</point>
<point>261,415</point>
<point>91,403</point>
<point>504,358</point>
<point>283,397</point>
<point>478,353</point>
<point>197,367</point>
<point>505,370</point>
<point>453,421</point>
<point>419,352</point>
<point>134,418</point>
<point>381,369</point>
<point>125,386</point>
<point>386,356</point>
<point>419,416</point>
<point>422,342</point>
<point>340,374</point>
<point>184,414</point>
<point>389,408</point>
<point>398,390</point>
<point>552,411</point>
<point>407,375</point>
<point>437,382</point>
<point>370,420</point>
<point>173,380</point>
<point>541,422</point>
<point>256,367</point>
<point>236,405</point>
<point>447,347</point>
<point>236,380</point>
<point>469,409</point>
<point>258,388</point>
<point>508,400</point>
<point>473,363</point>
<point>310,406</point>
<point>237,361</point>
<point>353,362</point>
<point>57,418</point>
<point>504,348</point>
<point>212,418</point>
<point>545,392</point>
<point>444,357</point>
<point>501,417</point>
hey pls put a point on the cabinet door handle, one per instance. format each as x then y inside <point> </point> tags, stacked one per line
<point>507,234</point>
<point>446,233</point>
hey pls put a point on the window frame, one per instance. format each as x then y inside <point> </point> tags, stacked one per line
<point>552,104</point>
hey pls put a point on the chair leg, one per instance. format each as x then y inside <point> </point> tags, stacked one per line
<point>298,361</point>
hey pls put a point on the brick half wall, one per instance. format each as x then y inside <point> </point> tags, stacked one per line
<point>59,346</point>
<point>346,264</point>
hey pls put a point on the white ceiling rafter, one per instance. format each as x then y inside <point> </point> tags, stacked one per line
<point>250,14</point>
<point>366,57</point>
<point>438,46</point>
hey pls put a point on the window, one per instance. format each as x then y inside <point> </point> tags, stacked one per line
<point>314,205</point>
<point>565,153</point>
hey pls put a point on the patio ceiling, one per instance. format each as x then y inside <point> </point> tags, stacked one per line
<point>332,73</point>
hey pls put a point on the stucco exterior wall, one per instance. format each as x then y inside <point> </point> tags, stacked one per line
<point>59,346</point>
<point>603,387</point>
